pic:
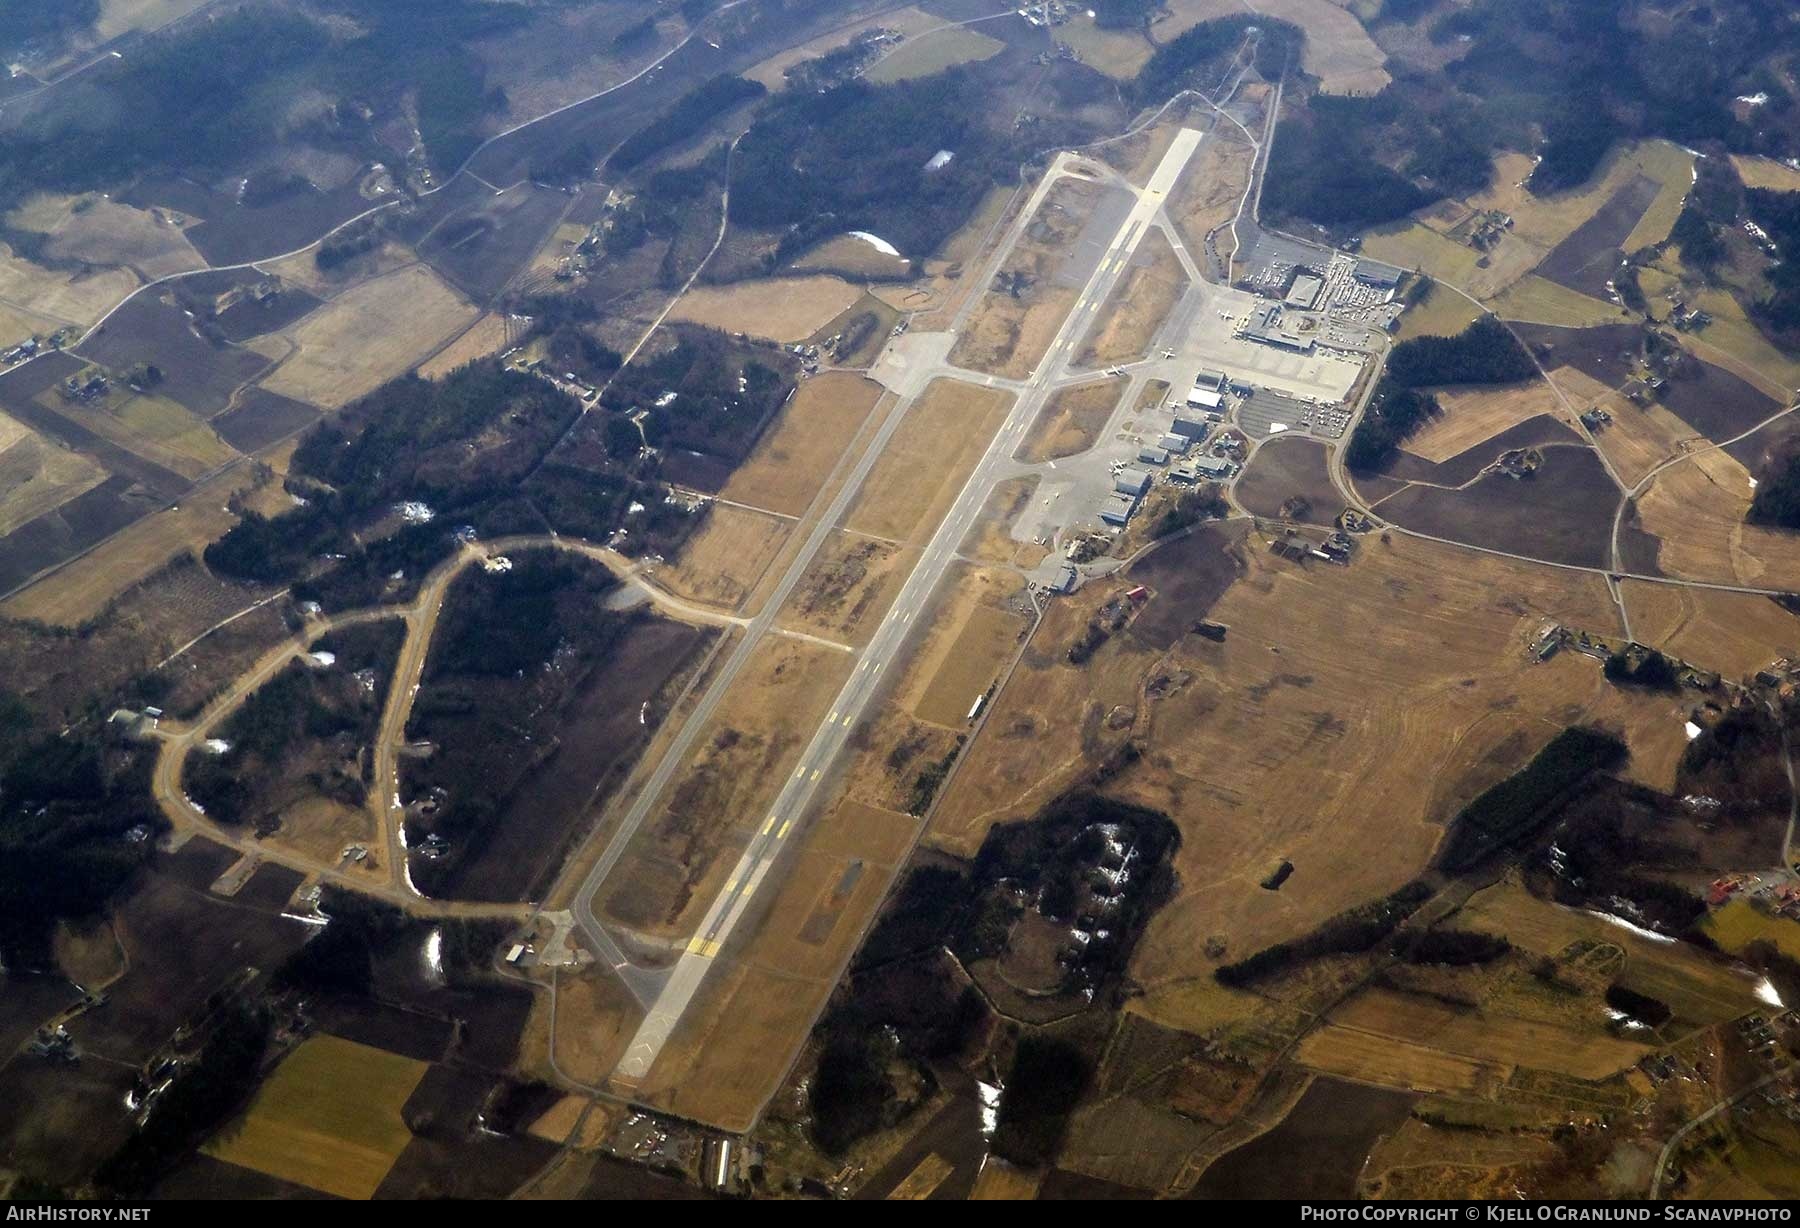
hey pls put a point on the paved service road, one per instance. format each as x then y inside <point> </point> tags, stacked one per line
<point>728,909</point>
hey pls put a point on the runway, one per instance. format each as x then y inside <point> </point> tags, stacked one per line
<point>784,820</point>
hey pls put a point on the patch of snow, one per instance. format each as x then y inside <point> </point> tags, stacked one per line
<point>990,1107</point>
<point>414,512</point>
<point>215,746</point>
<point>876,241</point>
<point>433,954</point>
<point>1622,923</point>
<point>1765,992</point>
<point>321,660</point>
<point>1693,731</point>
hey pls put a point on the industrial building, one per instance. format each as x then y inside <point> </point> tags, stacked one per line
<point>1214,468</point>
<point>1118,508</point>
<point>1305,291</point>
<point>1375,273</point>
<point>1214,380</point>
<point>1268,324</point>
<point>1204,398</point>
<point>1189,428</point>
<point>1152,455</point>
<point>1173,444</point>
<point>1131,482</point>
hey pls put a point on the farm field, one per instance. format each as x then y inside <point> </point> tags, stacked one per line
<point>1394,1062</point>
<point>81,589</point>
<point>933,52</point>
<point>121,16</point>
<point>1472,416</point>
<point>784,309</point>
<point>1537,300</point>
<point>850,256</point>
<point>1338,50</point>
<point>368,335</point>
<point>60,297</point>
<point>94,230</point>
<point>1766,173</point>
<point>1564,515</point>
<point>1738,923</point>
<point>1733,633</point>
<point>1401,677</point>
<point>328,1118</point>
<point>927,461</point>
<point>1444,314</point>
<point>484,338</point>
<point>1414,245</point>
<point>1696,511</point>
<point>1490,1038</point>
<point>1639,438</point>
<point>1288,479</point>
<point>1546,221</point>
<point>910,22</point>
<point>1700,989</point>
<point>1117,53</point>
<point>153,428</point>
<point>38,475</point>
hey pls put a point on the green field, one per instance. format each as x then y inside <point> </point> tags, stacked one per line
<point>328,1118</point>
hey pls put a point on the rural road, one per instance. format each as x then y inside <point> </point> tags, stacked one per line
<point>798,793</point>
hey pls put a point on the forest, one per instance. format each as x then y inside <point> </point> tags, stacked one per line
<point>405,441</point>
<point>1528,798</point>
<point>209,96</point>
<point>1486,352</point>
<point>66,806</point>
<point>854,158</point>
<point>685,120</point>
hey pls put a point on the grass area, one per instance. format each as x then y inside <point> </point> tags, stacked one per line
<point>1539,301</point>
<point>1117,53</point>
<point>1672,167</point>
<point>933,53</point>
<point>328,1118</point>
<point>1766,173</point>
<point>1444,314</point>
<point>1740,923</point>
<point>161,431</point>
